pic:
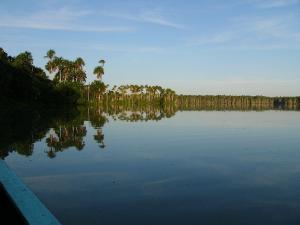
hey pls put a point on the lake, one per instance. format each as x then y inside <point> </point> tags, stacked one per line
<point>156,167</point>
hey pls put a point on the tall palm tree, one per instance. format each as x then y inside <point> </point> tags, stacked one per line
<point>67,70</point>
<point>79,72</point>
<point>99,72</point>
<point>58,63</point>
<point>115,92</point>
<point>50,54</point>
<point>79,62</point>
<point>50,67</point>
<point>122,90</point>
<point>81,76</point>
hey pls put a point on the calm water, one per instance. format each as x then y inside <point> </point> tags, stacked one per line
<point>203,167</point>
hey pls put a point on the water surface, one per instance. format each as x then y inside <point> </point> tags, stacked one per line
<point>198,167</point>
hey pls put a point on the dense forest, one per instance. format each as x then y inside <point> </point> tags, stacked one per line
<point>22,82</point>
<point>222,102</point>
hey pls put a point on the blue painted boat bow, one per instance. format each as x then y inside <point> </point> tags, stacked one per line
<point>32,209</point>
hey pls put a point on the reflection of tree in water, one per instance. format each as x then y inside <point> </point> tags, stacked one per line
<point>68,129</point>
<point>99,138</point>
<point>64,137</point>
<point>98,119</point>
<point>71,134</point>
<point>23,127</point>
<point>137,113</point>
<point>23,148</point>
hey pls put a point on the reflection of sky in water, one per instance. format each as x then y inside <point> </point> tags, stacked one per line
<point>194,168</point>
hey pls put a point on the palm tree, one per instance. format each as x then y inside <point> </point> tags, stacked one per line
<point>50,54</point>
<point>50,65</point>
<point>149,90</point>
<point>79,62</point>
<point>58,63</point>
<point>68,70</point>
<point>81,76</point>
<point>114,91</point>
<point>79,72</point>
<point>122,90</point>
<point>99,72</point>
<point>102,62</point>
<point>98,88</point>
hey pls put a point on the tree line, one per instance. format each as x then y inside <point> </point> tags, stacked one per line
<point>20,80</point>
<point>72,72</point>
<point>100,93</point>
<point>223,102</point>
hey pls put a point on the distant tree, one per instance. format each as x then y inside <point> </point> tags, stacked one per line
<point>80,75</point>
<point>99,70</point>
<point>58,63</point>
<point>98,88</point>
<point>50,54</point>
<point>24,61</point>
<point>3,55</point>
<point>50,66</point>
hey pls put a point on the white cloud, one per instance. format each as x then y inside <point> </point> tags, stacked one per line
<point>153,17</point>
<point>260,32</point>
<point>282,28</point>
<point>61,19</point>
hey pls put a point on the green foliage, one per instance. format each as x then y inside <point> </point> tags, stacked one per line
<point>23,61</point>
<point>222,102</point>
<point>65,70</point>
<point>22,82</point>
<point>98,87</point>
<point>3,56</point>
<point>99,71</point>
<point>69,91</point>
<point>130,94</point>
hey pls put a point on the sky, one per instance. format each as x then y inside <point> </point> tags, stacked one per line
<point>238,47</point>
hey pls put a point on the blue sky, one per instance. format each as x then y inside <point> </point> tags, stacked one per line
<point>193,46</point>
